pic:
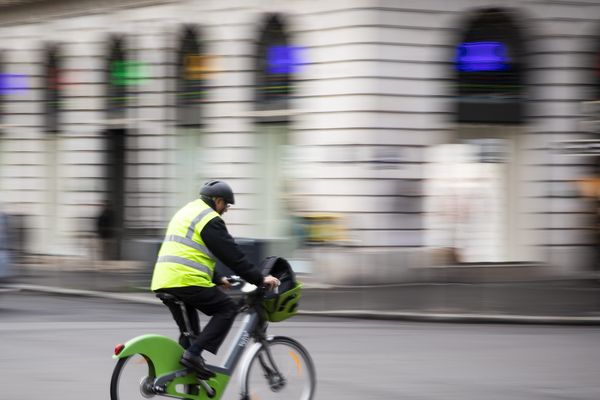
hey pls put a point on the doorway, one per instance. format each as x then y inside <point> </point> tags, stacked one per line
<point>273,185</point>
<point>189,163</point>
<point>472,194</point>
<point>115,178</point>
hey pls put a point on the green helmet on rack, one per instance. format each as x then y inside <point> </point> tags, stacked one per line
<point>284,305</point>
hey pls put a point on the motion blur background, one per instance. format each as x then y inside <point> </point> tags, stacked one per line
<point>368,141</point>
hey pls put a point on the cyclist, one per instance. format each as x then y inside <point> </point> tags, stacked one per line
<point>196,237</point>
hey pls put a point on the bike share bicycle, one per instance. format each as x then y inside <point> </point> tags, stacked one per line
<point>274,367</point>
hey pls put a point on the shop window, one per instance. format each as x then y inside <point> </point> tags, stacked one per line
<point>1,90</point>
<point>596,66</point>
<point>193,69</point>
<point>489,62</point>
<point>119,77</point>
<point>53,88</point>
<point>276,63</point>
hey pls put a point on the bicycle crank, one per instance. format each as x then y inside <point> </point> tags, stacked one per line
<point>147,387</point>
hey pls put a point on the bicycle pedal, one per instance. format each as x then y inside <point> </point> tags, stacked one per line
<point>202,376</point>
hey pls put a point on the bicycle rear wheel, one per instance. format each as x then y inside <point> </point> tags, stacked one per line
<point>282,370</point>
<point>132,378</point>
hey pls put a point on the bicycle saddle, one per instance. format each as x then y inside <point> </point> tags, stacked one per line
<point>168,297</point>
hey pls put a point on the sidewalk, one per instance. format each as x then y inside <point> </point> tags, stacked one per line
<point>550,301</point>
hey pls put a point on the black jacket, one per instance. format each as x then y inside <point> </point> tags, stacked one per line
<point>222,246</point>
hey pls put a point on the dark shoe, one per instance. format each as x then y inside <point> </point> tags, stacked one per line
<point>196,363</point>
<point>185,342</point>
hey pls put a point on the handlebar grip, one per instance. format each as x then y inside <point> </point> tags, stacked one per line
<point>234,280</point>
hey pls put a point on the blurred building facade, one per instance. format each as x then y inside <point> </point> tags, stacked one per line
<point>427,129</point>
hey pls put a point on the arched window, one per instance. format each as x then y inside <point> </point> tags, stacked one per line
<point>590,107</point>
<point>118,78</point>
<point>596,66</point>
<point>53,86</point>
<point>192,70</point>
<point>489,62</point>
<point>2,90</point>
<point>276,61</point>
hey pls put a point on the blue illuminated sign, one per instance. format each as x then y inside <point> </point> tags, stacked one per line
<point>13,83</point>
<point>481,56</point>
<point>284,59</point>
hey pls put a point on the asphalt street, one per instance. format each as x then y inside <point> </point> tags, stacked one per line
<point>57,347</point>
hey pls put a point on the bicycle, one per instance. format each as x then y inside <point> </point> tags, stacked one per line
<point>273,367</point>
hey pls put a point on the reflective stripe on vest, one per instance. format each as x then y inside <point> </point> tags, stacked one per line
<point>189,243</point>
<point>186,262</point>
<point>190,232</point>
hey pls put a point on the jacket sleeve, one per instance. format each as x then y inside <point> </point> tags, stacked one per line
<point>222,246</point>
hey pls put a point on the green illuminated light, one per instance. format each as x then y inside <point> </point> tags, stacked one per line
<point>125,73</point>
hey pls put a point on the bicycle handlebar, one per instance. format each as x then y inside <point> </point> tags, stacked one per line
<point>235,280</point>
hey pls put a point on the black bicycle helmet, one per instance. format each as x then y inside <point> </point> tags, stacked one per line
<point>217,188</point>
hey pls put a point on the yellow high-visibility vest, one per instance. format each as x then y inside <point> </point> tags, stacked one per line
<point>183,259</point>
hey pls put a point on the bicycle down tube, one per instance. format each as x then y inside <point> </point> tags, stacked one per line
<point>235,352</point>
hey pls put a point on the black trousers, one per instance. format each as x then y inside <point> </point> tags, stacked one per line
<point>211,301</point>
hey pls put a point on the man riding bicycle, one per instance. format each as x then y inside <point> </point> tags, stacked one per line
<point>196,237</point>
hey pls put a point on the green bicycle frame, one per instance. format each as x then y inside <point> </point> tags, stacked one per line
<point>163,355</point>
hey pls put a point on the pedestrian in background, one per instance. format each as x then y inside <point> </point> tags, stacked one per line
<point>105,228</point>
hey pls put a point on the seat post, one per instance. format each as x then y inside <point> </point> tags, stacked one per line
<point>188,326</point>
<point>171,301</point>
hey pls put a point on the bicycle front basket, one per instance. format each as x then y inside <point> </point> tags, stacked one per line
<point>284,305</point>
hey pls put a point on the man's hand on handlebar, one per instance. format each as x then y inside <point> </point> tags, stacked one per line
<point>225,283</point>
<point>270,282</point>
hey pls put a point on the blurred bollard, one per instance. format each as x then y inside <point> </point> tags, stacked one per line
<point>17,239</point>
<point>5,259</point>
<point>12,243</point>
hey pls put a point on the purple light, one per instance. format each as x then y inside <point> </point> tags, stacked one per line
<point>284,59</point>
<point>481,56</point>
<point>13,83</point>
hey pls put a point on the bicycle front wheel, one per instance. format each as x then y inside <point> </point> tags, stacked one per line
<point>281,370</point>
<point>132,378</point>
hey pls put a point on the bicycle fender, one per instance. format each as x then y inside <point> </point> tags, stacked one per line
<point>164,352</point>
<point>246,362</point>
